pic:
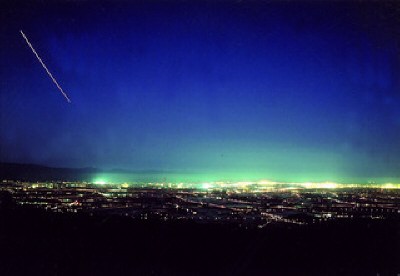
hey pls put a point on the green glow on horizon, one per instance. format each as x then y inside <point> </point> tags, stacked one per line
<point>233,180</point>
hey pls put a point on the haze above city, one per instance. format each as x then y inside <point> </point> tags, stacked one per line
<point>228,90</point>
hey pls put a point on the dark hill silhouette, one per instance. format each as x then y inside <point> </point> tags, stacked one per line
<point>31,172</point>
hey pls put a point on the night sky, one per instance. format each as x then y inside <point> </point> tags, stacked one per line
<point>276,90</point>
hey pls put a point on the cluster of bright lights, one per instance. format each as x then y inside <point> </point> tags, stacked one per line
<point>207,186</point>
<point>323,185</point>
<point>254,186</point>
<point>125,185</point>
<point>390,186</point>
<point>100,182</point>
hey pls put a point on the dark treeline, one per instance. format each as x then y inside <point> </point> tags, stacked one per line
<point>36,242</point>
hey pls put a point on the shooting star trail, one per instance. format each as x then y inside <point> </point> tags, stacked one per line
<point>45,68</point>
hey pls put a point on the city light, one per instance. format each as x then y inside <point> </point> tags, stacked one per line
<point>248,186</point>
<point>390,186</point>
<point>206,186</point>
<point>100,182</point>
<point>268,201</point>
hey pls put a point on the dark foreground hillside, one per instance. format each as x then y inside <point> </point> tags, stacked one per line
<point>31,172</point>
<point>35,242</point>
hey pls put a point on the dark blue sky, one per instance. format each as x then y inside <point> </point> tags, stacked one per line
<point>278,89</point>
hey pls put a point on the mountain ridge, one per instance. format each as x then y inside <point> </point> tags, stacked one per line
<point>34,172</point>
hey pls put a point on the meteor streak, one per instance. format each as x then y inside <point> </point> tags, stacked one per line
<point>44,66</point>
